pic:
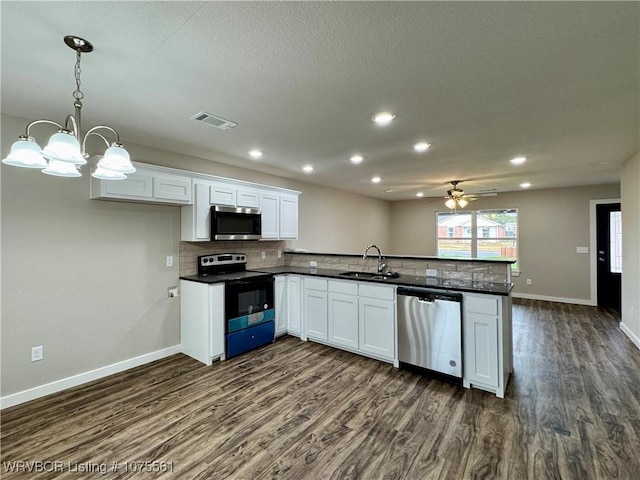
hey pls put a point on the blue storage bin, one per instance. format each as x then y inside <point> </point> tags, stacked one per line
<point>250,338</point>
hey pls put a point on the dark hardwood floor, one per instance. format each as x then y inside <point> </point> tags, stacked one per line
<point>299,410</point>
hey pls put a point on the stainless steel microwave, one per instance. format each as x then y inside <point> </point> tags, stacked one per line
<point>231,223</point>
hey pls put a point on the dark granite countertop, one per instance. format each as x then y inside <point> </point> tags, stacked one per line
<point>406,257</point>
<point>403,280</point>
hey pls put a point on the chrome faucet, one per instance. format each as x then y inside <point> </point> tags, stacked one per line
<point>381,265</point>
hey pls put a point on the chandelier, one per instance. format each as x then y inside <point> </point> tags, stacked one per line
<point>65,152</point>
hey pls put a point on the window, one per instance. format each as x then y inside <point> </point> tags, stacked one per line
<point>486,234</point>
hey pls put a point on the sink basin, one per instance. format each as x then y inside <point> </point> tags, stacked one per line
<point>375,276</point>
<point>359,274</point>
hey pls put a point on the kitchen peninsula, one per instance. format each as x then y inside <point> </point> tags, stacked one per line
<point>317,299</point>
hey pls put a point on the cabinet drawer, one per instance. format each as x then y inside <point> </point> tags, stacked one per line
<point>346,287</point>
<point>250,338</point>
<point>315,283</point>
<point>484,305</point>
<point>376,291</point>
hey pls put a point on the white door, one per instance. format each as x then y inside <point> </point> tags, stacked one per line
<point>315,313</point>
<point>281,304</point>
<point>343,319</point>
<point>294,299</point>
<point>289,217</point>
<point>269,204</point>
<point>377,319</point>
<point>481,349</point>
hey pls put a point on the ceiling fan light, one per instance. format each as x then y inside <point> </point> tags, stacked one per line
<point>106,174</point>
<point>462,202</point>
<point>59,168</point>
<point>64,147</point>
<point>26,153</point>
<point>450,203</point>
<point>116,159</point>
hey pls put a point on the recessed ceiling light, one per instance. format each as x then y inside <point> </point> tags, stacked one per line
<point>419,194</point>
<point>307,168</point>
<point>383,118</point>
<point>421,147</point>
<point>255,153</point>
<point>525,185</point>
<point>356,158</point>
<point>518,160</point>
<point>376,179</point>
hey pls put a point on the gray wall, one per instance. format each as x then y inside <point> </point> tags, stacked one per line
<point>87,279</point>
<point>552,224</point>
<point>630,187</point>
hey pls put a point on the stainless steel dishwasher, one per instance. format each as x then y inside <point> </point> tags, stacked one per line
<point>430,329</point>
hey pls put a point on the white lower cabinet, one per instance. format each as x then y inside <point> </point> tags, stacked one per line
<point>202,320</point>
<point>355,316</point>
<point>294,305</point>
<point>487,342</point>
<point>315,308</point>
<point>343,313</point>
<point>281,304</point>
<point>377,327</point>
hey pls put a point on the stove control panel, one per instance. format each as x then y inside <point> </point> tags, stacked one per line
<point>219,259</point>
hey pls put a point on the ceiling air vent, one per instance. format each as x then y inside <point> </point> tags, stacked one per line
<point>214,121</point>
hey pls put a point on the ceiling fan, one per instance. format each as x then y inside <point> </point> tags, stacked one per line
<point>457,198</point>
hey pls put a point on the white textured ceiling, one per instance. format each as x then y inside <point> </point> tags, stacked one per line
<point>557,82</point>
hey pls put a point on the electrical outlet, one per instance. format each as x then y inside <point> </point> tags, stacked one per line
<point>170,261</point>
<point>529,281</point>
<point>279,253</point>
<point>37,353</point>
<point>313,264</point>
<point>431,272</point>
<point>264,255</point>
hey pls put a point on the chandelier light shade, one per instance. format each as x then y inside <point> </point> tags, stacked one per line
<point>26,153</point>
<point>65,152</point>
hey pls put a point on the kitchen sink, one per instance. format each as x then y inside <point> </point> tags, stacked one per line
<point>375,276</point>
<point>359,274</point>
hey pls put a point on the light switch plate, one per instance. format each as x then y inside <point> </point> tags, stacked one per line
<point>582,249</point>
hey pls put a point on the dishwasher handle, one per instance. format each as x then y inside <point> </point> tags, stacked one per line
<point>429,296</point>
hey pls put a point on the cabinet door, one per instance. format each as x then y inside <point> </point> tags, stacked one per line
<point>481,348</point>
<point>247,198</point>
<point>172,187</point>
<point>216,318</point>
<point>196,219</point>
<point>315,314</point>
<point>288,217</point>
<point>137,185</point>
<point>281,304</point>
<point>294,300</point>
<point>223,195</point>
<point>377,327</point>
<point>343,319</point>
<point>269,204</point>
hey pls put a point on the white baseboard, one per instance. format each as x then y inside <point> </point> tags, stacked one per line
<point>633,337</point>
<point>575,301</point>
<point>75,380</point>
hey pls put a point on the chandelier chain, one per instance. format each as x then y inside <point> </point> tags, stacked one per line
<point>78,95</point>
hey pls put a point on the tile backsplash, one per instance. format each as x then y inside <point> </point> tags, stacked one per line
<point>445,268</point>
<point>189,251</point>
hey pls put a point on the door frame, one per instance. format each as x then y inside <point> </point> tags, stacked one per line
<point>594,246</point>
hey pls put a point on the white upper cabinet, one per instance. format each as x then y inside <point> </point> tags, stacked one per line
<point>270,206</point>
<point>197,193</point>
<point>148,184</point>
<point>289,217</point>
<point>222,195</point>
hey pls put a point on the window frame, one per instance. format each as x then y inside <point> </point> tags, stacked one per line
<point>475,238</point>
